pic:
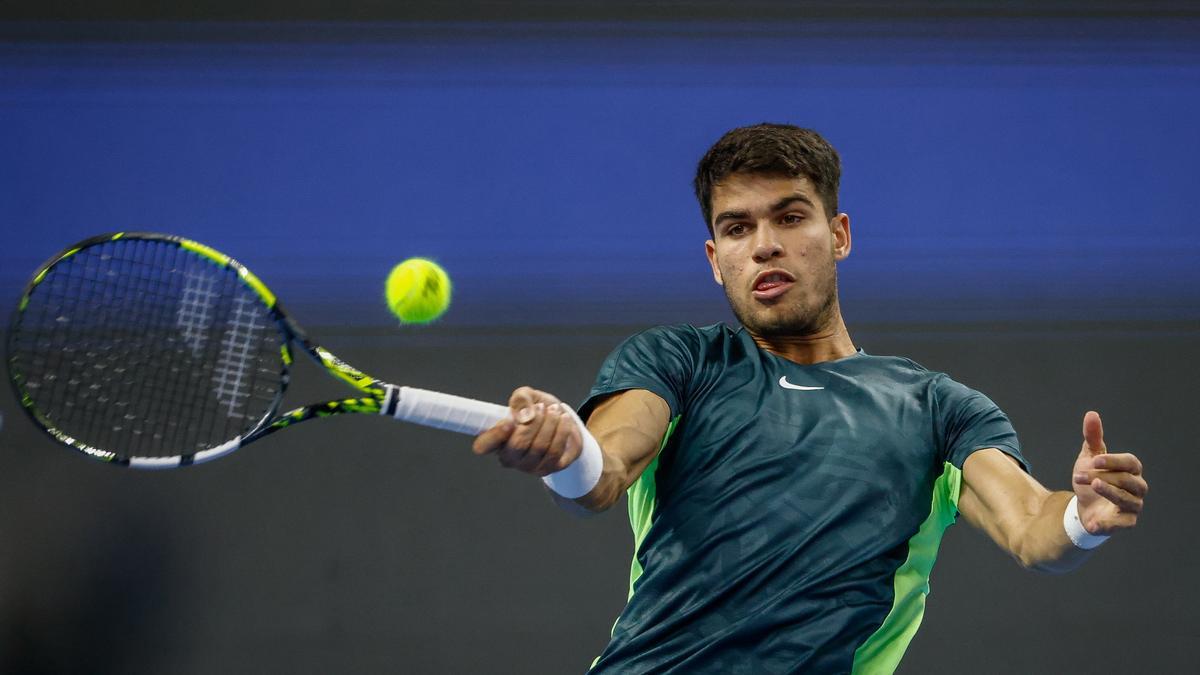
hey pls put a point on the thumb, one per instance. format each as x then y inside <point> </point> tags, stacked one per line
<point>521,403</point>
<point>1093,434</point>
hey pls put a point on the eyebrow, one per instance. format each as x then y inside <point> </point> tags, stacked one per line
<point>777,206</point>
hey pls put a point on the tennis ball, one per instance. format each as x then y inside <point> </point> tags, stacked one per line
<point>418,290</point>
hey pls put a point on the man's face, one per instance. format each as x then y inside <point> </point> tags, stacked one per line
<point>776,253</point>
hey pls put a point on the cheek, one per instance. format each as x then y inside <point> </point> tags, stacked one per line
<point>731,271</point>
<point>818,247</point>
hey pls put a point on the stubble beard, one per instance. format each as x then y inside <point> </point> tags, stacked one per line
<point>798,319</point>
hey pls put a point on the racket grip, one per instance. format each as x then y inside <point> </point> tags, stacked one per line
<point>469,416</point>
<point>445,411</point>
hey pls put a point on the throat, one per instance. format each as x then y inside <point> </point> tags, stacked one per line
<point>830,344</point>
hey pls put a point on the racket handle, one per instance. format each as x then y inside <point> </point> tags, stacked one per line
<point>469,416</point>
<point>444,411</point>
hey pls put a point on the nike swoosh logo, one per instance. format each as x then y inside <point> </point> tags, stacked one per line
<point>799,387</point>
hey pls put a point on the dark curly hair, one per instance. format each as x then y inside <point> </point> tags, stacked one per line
<point>771,149</point>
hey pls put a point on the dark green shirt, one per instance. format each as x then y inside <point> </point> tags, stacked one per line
<point>793,514</point>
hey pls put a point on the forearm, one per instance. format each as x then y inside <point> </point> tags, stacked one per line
<point>617,473</point>
<point>629,427</point>
<point>613,481</point>
<point>1043,545</point>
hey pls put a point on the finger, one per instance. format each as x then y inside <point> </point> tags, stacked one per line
<point>493,439</point>
<point>1122,499</point>
<point>1131,483</point>
<point>1112,522</point>
<point>1122,521</point>
<point>521,402</point>
<point>1093,433</point>
<point>564,446</point>
<point>1118,462</point>
<point>1134,485</point>
<point>539,446</point>
<point>523,435</point>
<point>551,416</point>
<point>510,457</point>
<point>527,397</point>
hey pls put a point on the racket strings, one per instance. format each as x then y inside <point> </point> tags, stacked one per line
<point>144,349</point>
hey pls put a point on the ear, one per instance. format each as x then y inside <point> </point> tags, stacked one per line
<point>710,249</point>
<point>840,226</point>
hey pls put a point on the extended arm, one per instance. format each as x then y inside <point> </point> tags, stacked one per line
<point>1026,519</point>
<point>542,438</point>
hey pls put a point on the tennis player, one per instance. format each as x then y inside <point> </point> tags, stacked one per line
<point>788,492</point>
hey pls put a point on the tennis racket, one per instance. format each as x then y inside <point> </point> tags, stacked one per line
<point>153,351</point>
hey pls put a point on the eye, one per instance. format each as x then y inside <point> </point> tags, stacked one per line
<point>736,230</point>
<point>793,218</point>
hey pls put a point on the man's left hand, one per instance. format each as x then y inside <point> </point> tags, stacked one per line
<point>1110,487</point>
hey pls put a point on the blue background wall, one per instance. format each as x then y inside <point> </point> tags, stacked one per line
<point>1013,169</point>
<point>1019,184</point>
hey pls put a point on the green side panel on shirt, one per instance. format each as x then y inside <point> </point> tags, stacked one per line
<point>642,496</point>
<point>881,653</point>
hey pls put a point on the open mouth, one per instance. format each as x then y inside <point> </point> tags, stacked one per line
<point>772,284</point>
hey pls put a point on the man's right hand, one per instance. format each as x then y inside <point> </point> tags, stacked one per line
<point>539,437</point>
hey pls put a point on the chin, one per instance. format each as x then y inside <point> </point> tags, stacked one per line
<point>785,319</point>
<point>773,324</point>
<point>785,328</point>
<point>787,316</point>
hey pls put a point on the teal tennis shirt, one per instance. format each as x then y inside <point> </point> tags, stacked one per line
<point>792,516</point>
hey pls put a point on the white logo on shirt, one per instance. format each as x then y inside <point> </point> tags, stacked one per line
<point>799,387</point>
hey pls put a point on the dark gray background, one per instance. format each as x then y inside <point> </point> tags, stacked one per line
<point>361,545</point>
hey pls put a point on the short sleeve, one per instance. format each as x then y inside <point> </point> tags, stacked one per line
<point>967,421</point>
<point>661,360</point>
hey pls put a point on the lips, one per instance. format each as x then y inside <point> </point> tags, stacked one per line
<point>771,284</point>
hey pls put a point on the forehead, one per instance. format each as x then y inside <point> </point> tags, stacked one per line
<point>752,191</point>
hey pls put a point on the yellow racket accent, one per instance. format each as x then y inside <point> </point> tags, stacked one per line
<point>204,251</point>
<point>259,287</point>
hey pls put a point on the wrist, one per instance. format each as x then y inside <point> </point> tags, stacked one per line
<point>1075,530</point>
<point>580,476</point>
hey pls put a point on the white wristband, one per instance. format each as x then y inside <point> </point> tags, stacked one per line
<point>583,474</point>
<point>1074,527</point>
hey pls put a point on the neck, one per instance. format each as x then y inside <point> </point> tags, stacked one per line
<point>827,344</point>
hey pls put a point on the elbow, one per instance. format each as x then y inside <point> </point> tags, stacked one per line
<point>615,477</point>
<point>1027,562</point>
<point>1041,564</point>
<point>1038,566</point>
<point>1025,557</point>
<point>582,507</point>
<point>602,498</point>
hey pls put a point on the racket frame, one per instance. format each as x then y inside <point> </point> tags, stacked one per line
<point>291,334</point>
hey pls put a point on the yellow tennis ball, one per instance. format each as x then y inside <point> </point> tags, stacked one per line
<point>418,290</point>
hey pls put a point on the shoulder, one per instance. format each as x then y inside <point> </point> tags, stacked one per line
<point>904,373</point>
<point>897,369</point>
<point>684,336</point>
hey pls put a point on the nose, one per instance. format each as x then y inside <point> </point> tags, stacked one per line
<point>766,245</point>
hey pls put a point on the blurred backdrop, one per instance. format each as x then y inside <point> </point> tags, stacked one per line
<point>1019,178</point>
